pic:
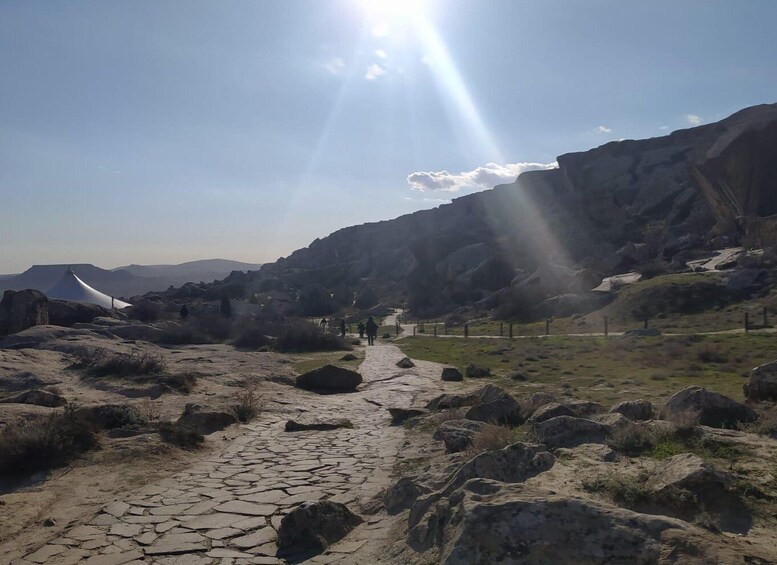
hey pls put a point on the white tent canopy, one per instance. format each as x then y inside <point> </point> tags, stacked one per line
<point>70,287</point>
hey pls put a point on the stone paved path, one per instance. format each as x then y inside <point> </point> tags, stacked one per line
<point>227,508</point>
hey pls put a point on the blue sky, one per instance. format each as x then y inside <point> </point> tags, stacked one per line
<point>152,132</point>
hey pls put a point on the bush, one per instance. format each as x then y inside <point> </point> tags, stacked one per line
<point>129,365</point>
<point>303,337</point>
<point>246,404</point>
<point>110,416</point>
<point>253,335</point>
<point>490,438</point>
<point>180,435</point>
<point>44,443</point>
<point>145,311</point>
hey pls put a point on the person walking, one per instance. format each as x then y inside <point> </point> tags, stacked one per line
<point>184,312</point>
<point>323,324</point>
<point>361,330</point>
<point>372,331</point>
<point>342,327</point>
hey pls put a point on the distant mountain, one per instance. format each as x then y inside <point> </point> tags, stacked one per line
<point>628,204</point>
<point>127,281</point>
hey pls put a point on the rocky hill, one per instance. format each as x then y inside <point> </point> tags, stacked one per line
<point>605,211</point>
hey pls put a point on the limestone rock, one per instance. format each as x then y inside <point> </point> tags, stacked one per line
<point>318,425</point>
<point>447,401</point>
<point>399,415</point>
<point>495,406</point>
<point>635,410</point>
<point>36,397</point>
<point>477,372</point>
<point>402,495</point>
<point>205,421</point>
<point>710,408</point>
<point>585,408</point>
<point>550,410</point>
<point>458,434</point>
<point>313,526</point>
<point>689,472</point>
<point>405,363</point>
<point>762,384</point>
<point>452,374</point>
<point>568,431</point>
<point>66,313</point>
<point>22,309</point>
<point>538,399</point>
<point>329,379</point>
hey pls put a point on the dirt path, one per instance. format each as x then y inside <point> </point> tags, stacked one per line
<point>227,508</point>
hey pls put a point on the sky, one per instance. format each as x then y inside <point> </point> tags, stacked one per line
<point>161,132</point>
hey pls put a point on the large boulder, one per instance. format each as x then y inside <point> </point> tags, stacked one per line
<point>513,464</point>
<point>399,415</point>
<point>36,397</point>
<point>708,408</point>
<point>550,410</point>
<point>313,526</point>
<point>495,406</point>
<point>405,363</point>
<point>635,410</point>
<point>402,495</point>
<point>67,313</point>
<point>458,434</point>
<point>205,421</point>
<point>568,431</point>
<point>329,379</point>
<point>22,309</point>
<point>317,425</point>
<point>452,374</point>
<point>585,408</point>
<point>488,522</point>
<point>448,401</point>
<point>477,372</point>
<point>687,472</point>
<point>762,384</point>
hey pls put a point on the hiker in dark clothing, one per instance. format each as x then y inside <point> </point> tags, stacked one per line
<point>323,324</point>
<point>342,327</point>
<point>184,312</point>
<point>372,331</point>
<point>361,330</point>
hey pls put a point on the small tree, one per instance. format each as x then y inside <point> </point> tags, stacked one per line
<point>226,306</point>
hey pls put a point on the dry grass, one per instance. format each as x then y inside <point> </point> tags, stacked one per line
<point>246,404</point>
<point>489,439</point>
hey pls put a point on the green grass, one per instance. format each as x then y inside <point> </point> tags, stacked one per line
<point>607,370</point>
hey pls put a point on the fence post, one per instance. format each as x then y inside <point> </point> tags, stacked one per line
<point>747,322</point>
<point>466,330</point>
<point>435,329</point>
<point>606,328</point>
<point>397,327</point>
<point>501,329</point>
<point>766,320</point>
<point>646,321</point>
<point>414,328</point>
<point>547,326</point>
<point>511,330</point>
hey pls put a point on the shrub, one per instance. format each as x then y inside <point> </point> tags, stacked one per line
<point>44,443</point>
<point>180,435</point>
<point>710,355</point>
<point>145,311</point>
<point>624,489</point>
<point>129,365</point>
<point>246,405</point>
<point>110,416</point>
<point>88,357</point>
<point>303,337</point>
<point>490,438</point>
<point>253,336</point>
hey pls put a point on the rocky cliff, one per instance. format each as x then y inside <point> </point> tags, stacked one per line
<point>551,232</point>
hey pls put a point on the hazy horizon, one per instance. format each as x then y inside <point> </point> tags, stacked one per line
<point>160,133</point>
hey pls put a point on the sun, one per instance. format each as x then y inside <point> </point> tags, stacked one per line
<point>386,11</point>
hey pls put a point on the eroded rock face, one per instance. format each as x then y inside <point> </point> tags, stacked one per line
<point>205,421</point>
<point>452,374</point>
<point>448,401</point>
<point>689,472</point>
<point>635,410</point>
<point>495,406</point>
<point>710,408</point>
<point>314,526</point>
<point>22,309</point>
<point>762,384</point>
<point>66,313</point>
<point>488,522</point>
<point>568,431</point>
<point>329,379</point>
<point>550,410</point>
<point>36,397</point>
<point>458,434</point>
<point>403,494</point>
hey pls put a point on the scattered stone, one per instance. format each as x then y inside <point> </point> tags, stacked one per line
<point>635,410</point>
<point>448,401</point>
<point>319,425</point>
<point>37,398</point>
<point>399,415</point>
<point>405,363</point>
<point>568,431</point>
<point>313,526</point>
<point>762,384</point>
<point>402,495</point>
<point>348,357</point>
<point>477,372</point>
<point>49,522</point>
<point>495,406</point>
<point>452,374</point>
<point>329,379</point>
<point>204,421</point>
<point>458,434</point>
<point>708,408</point>
<point>550,410</point>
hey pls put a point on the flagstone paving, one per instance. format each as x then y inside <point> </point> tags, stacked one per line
<point>226,510</point>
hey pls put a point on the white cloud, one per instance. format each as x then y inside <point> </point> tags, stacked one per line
<point>664,128</point>
<point>335,65</point>
<point>374,71</point>
<point>693,119</point>
<point>480,178</point>
<point>603,129</point>
<point>381,53</point>
<point>381,30</point>
<point>427,60</point>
